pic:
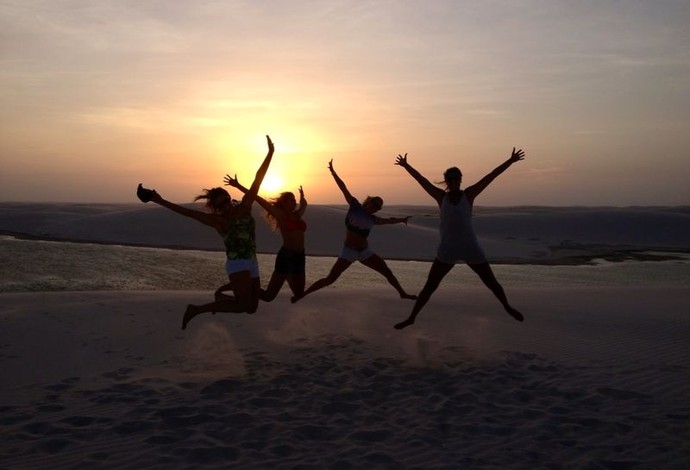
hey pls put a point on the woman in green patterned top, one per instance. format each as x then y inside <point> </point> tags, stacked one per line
<point>234,222</point>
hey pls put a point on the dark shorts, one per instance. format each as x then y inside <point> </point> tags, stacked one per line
<point>290,262</point>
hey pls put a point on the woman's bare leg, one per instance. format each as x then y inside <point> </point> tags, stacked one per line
<point>338,268</point>
<point>218,294</point>
<point>436,274</point>
<point>487,276</point>
<point>246,299</point>
<point>274,285</point>
<point>296,283</point>
<point>377,263</point>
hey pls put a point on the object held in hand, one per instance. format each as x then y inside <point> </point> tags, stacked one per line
<point>144,195</point>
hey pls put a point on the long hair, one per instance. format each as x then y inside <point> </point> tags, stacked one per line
<point>276,202</point>
<point>212,195</point>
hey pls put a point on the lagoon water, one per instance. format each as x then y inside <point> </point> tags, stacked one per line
<point>34,265</point>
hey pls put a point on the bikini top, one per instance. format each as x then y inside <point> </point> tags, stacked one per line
<point>294,224</point>
<point>358,220</point>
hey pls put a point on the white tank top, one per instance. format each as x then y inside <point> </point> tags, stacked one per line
<point>458,240</point>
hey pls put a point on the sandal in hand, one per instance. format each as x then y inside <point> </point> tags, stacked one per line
<point>144,195</point>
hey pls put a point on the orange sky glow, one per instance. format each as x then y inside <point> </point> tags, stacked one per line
<point>100,96</point>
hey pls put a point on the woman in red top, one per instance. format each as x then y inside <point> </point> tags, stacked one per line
<point>283,214</point>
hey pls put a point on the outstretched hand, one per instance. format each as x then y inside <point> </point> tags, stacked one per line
<point>230,181</point>
<point>330,166</point>
<point>516,156</point>
<point>401,160</point>
<point>405,219</point>
<point>301,192</point>
<point>270,144</point>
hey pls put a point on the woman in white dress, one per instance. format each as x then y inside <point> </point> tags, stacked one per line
<point>458,240</point>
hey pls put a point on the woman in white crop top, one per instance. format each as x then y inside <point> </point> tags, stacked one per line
<point>458,240</point>
<point>359,221</point>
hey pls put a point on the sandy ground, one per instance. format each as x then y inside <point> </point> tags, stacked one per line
<point>594,378</point>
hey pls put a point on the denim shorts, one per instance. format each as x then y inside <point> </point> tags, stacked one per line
<point>352,255</point>
<point>233,266</point>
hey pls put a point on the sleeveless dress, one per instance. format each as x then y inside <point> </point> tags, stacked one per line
<point>458,240</point>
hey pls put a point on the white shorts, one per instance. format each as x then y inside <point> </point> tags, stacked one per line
<point>233,266</point>
<point>352,255</point>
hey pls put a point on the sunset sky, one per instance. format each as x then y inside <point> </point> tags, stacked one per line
<point>97,96</point>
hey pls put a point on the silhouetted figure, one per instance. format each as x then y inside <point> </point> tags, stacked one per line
<point>359,221</point>
<point>283,214</point>
<point>235,224</point>
<point>458,241</point>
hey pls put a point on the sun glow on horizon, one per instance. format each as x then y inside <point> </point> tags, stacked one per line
<point>301,153</point>
<point>203,85</point>
<point>272,184</point>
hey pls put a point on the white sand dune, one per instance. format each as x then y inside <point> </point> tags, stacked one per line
<point>526,234</point>
<point>594,378</point>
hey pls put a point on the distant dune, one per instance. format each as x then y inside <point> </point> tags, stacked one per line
<point>595,377</point>
<point>511,234</point>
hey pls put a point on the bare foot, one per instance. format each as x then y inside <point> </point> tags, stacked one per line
<point>515,314</point>
<point>403,324</point>
<point>295,298</point>
<point>408,296</point>
<point>190,313</point>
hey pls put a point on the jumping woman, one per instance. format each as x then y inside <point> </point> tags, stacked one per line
<point>458,241</point>
<point>359,221</point>
<point>235,224</point>
<point>283,214</point>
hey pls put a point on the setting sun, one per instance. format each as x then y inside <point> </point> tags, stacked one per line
<point>272,184</point>
<point>300,155</point>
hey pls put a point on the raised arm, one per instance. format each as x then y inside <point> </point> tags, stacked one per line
<point>252,192</point>
<point>340,183</point>
<point>203,217</point>
<point>474,190</point>
<point>433,191</point>
<point>267,206</point>
<point>391,220</point>
<point>302,202</point>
